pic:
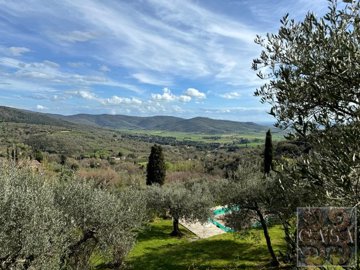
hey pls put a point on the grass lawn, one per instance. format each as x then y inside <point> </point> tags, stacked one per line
<point>156,250</point>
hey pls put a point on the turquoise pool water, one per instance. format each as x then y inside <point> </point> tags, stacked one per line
<point>220,226</point>
<point>224,211</point>
<point>219,212</point>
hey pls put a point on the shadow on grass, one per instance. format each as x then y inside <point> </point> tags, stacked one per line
<point>161,232</point>
<point>202,254</point>
<point>157,250</point>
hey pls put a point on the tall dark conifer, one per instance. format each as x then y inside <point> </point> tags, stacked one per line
<point>268,153</point>
<point>156,166</point>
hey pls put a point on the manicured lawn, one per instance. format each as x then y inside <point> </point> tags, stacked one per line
<point>156,250</point>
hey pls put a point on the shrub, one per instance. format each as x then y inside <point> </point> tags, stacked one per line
<point>102,177</point>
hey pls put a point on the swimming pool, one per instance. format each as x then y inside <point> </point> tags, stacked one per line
<point>220,212</point>
<point>223,211</point>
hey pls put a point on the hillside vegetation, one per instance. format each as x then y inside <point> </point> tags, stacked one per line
<point>8,114</point>
<point>166,123</point>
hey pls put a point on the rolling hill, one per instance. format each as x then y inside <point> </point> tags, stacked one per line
<point>8,114</point>
<point>165,123</point>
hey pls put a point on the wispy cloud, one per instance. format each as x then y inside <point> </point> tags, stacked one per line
<point>151,79</point>
<point>231,95</point>
<point>178,38</point>
<point>78,64</point>
<point>75,36</point>
<point>116,55</point>
<point>13,51</point>
<point>48,73</point>
<point>104,68</point>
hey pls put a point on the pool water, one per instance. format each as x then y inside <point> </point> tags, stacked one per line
<point>220,212</point>
<point>223,211</point>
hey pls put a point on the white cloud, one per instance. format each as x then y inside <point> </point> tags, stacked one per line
<point>41,107</point>
<point>58,97</point>
<point>166,96</point>
<point>151,79</point>
<point>231,95</point>
<point>11,84</point>
<point>14,51</point>
<point>48,73</point>
<point>167,38</point>
<point>18,51</point>
<point>78,64</point>
<point>104,68</point>
<point>85,94</point>
<point>115,100</point>
<point>51,64</point>
<point>75,36</point>
<point>184,98</point>
<point>192,92</point>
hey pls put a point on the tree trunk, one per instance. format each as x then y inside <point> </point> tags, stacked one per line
<point>77,250</point>
<point>274,261</point>
<point>176,230</point>
<point>290,242</point>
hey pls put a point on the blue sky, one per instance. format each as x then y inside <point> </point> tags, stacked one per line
<point>138,57</point>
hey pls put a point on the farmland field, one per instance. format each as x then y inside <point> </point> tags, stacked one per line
<point>253,138</point>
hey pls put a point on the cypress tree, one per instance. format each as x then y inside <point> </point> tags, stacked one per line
<point>63,159</point>
<point>156,166</point>
<point>268,153</point>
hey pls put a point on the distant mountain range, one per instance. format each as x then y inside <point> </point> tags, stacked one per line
<point>165,123</point>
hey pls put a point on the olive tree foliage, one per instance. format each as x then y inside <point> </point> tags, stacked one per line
<point>250,197</point>
<point>332,168</point>
<point>48,224</point>
<point>329,175</point>
<point>189,201</point>
<point>99,221</point>
<point>312,69</point>
<point>33,230</point>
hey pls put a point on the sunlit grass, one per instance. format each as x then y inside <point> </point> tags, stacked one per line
<point>156,250</point>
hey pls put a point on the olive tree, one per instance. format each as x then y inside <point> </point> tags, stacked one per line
<point>312,69</point>
<point>51,224</point>
<point>249,196</point>
<point>99,220</point>
<point>312,73</point>
<point>188,201</point>
<point>33,230</point>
